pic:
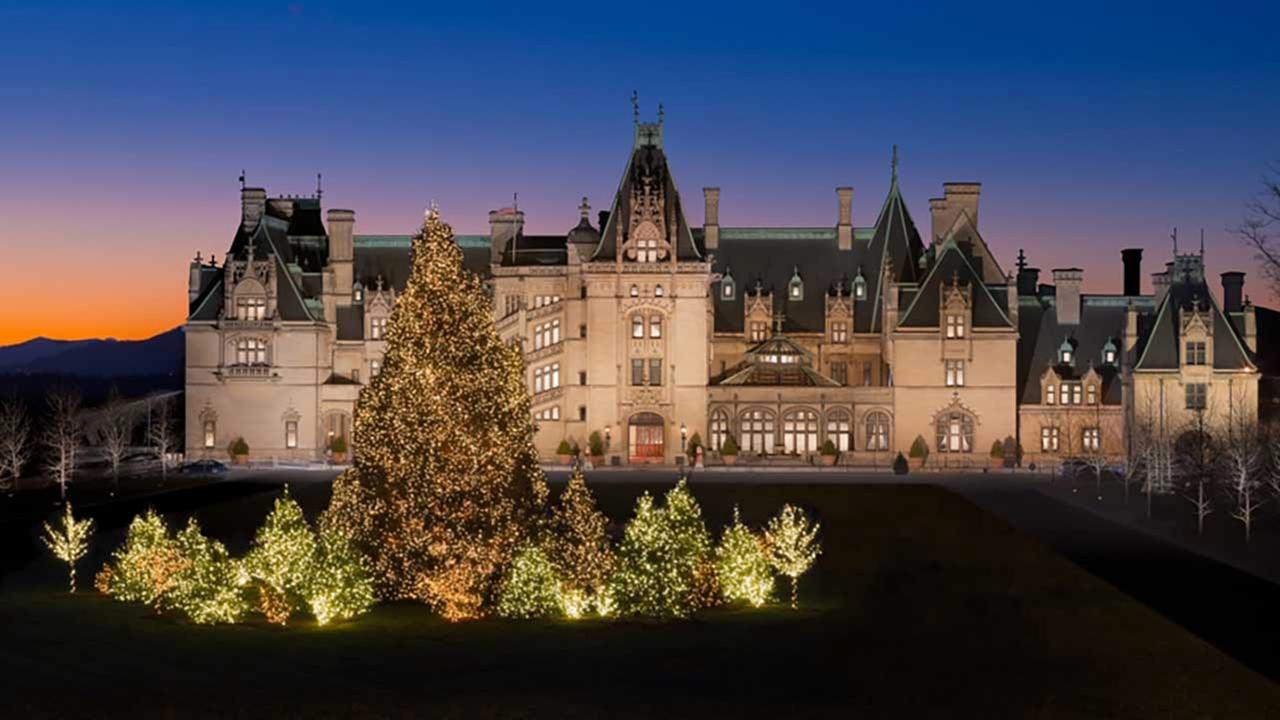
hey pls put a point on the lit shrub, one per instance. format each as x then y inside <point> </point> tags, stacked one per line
<point>146,567</point>
<point>207,587</point>
<point>665,566</point>
<point>531,588</point>
<point>340,586</point>
<point>279,562</point>
<point>792,540</point>
<point>579,546</point>
<point>743,565</point>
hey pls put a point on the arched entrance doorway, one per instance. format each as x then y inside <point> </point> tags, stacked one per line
<point>645,438</point>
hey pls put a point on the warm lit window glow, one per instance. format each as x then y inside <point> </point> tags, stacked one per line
<point>1091,439</point>
<point>840,430</point>
<point>800,432</point>
<point>546,378</point>
<point>877,427</point>
<point>955,433</point>
<point>955,373</point>
<point>757,431</point>
<point>251,308</point>
<point>251,351</point>
<point>291,434</point>
<point>377,328</point>
<point>210,433</point>
<point>840,332</point>
<point>955,326</point>
<point>758,331</point>
<point>1049,439</point>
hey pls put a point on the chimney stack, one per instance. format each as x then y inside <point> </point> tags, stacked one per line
<point>341,225</point>
<point>1067,282</point>
<point>504,225</point>
<point>844,223</point>
<point>1232,291</point>
<point>956,197</point>
<point>1132,258</point>
<point>253,203</point>
<point>1160,282</point>
<point>1029,281</point>
<point>711,218</point>
<point>195,279</point>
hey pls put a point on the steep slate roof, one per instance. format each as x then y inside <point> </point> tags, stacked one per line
<point>953,263</point>
<point>647,157</point>
<point>536,250</point>
<point>1102,320</point>
<point>1160,349</point>
<point>389,256</point>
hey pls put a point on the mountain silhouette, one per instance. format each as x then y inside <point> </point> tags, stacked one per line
<point>159,355</point>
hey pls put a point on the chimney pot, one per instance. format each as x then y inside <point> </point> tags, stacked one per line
<point>1132,258</point>
<point>711,217</point>
<point>1232,291</point>
<point>1067,283</point>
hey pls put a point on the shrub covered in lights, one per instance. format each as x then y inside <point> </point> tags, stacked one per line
<point>280,561</point>
<point>531,588</point>
<point>339,586</point>
<point>665,567</point>
<point>446,485</point>
<point>207,587</point>
<point>145,569</point>
<point>792,540</point>
<point>742,565</point>
<point>580,547</point>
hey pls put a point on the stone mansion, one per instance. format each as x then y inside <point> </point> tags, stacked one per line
<point>648,329</point>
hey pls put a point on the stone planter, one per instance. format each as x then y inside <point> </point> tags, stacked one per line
<point>997,463</point>
<point>729,459</point>
<point>240,459</point>
<point>339,458</point>
<point>917,463</point>
<point>564,459</point>
<point>597,461</point>
<point>829,460</point>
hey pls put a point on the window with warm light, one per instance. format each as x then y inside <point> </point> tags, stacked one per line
<point>637,326</point>
<point>1049,439</point>
<point>1195,353</point>
<point>839,332</point>
<point>655,326</point>
<point>1091,439</point>
<point>291,434</point>
<point>955,325</point>
<point>1050,394</point>
<point>251,351</point>
<point>377,328</point>
<point>759,331</point>
<point>955,373</point>
<point>251,308</point>
<point>210,433</point>
<point>546,378</point>
<point>877,427</point>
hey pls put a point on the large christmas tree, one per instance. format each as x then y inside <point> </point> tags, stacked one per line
<point>446,483</point>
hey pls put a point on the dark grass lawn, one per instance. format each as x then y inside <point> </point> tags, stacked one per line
<point>922,605</point>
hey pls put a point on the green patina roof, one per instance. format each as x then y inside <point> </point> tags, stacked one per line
<point>789,233</point>
<point>404,241</point>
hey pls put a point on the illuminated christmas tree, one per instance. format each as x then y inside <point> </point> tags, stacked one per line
<point>792,540</point>
<point>145,569</point>
<point>69,542</point>
<point>531,588</point>
<point>580,547</point>
<point>280,561</point>
<point>665,566</point>
<point>743,565</point>
<point>446,483</point>
<point>340,586</point>
<point>207,587</point>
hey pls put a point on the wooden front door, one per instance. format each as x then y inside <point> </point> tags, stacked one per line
<point>645,439</point>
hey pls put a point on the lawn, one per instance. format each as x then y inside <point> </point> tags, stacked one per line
<point>922,605</point>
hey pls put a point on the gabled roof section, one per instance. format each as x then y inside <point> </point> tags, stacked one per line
<point>1040,337</point>
<point>647,160</point>
<point>952,264</point>
<point>965,233</point>
<point>897,241</point>
<point>777,361</point>
<point>1161,348</point>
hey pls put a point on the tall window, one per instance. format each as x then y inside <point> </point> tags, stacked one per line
<point>375,367</point>
<point>546,334</point>
<point>251,308</point>
<point>955,373</point>
<point>1050,394</point>
<point>839,332</point>
<point>546,378</point>
<point>839,430</point>
<point>1197,396</point>
<point>1091,394</point>
<point>251,351</point>
<point>719,429</point>
<point>1091,439</point>
<point>955,432</point>
<point>726,287</point>
<point>840,372</point>
<point>758,331</point>
<point>955,325</point>
<point>210,433</point>
<point>800,432</point>
<point>647,250</point>
<point>637,371</point>
<point>1195,352</point>
<point>637,326</point>
<point>655,371</point>
<point>757,431</point>
<point>1049,439</point>
<point>655,326</point>
<point>377,328</point>
<point>291,434</point>
<point>1075,394</point>
<point>877,426</point>
<point>866,374</point>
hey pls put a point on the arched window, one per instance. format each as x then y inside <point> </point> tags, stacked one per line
<point>637,326</point>
<point>719,429</point>
<point>955,432</point>
<point>655,326</point>
<point>876,425</point>
<point>757,431</point>
<point>800,431</point>
<point>839,430</point>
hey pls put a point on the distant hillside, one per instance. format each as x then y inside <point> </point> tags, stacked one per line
<point>159,355</point>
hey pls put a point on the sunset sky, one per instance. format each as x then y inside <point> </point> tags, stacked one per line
<point>124,126</point>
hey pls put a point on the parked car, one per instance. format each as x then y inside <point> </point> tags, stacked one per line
<point>204,467</point>
<point>1075,466</point>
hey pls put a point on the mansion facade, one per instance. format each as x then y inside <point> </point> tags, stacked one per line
<point>647,329</point>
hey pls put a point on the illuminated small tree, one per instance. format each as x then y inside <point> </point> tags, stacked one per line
<point>579,546</point>
<point>280,560</point>
<point>531,588</point>
<point>206,588</point>
<point>340,586</point>
<point>69,542</point>
<point>793,545</point>
<point>446,484</point>
<point>146,567</point>
<point>664,562</point>
<point>742,565</point>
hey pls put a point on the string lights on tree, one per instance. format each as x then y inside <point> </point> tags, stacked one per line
<point>793,545</point>
<point>69,541</point>
<point>665,567</point>
<point>531,588</point>
<point>742,565</point>
<point>446,483</point>
<point>280,561</point>
<point>206,588</point>
<point>580,547</point>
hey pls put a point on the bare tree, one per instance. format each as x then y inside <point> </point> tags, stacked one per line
<point>1260,230</point>
<point>116,432</point>
<point>1095,454</point>
<point>63,435</point>
<point>1243,459</point>
<point>1197,458</point>
<point>162,432</point>
<point>15,440</point>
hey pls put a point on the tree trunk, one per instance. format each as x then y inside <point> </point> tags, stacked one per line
<point>73,577</point>
<point>1200,508</point>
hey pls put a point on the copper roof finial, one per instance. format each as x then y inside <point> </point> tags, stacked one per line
<point>635,107</point>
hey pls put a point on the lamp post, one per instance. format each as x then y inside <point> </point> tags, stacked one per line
<point>608,436</point>
<point>684,437</point>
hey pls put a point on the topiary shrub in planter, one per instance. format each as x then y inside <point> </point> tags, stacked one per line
<point>564,452</point>
<point>239,451</point>
<point>997,454</point>
<point>829,453</point>
<point>338,449</point>
<point>729,451</point>
<point>919,452</point>
<point>595,445</point>
<point>900,465</point>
